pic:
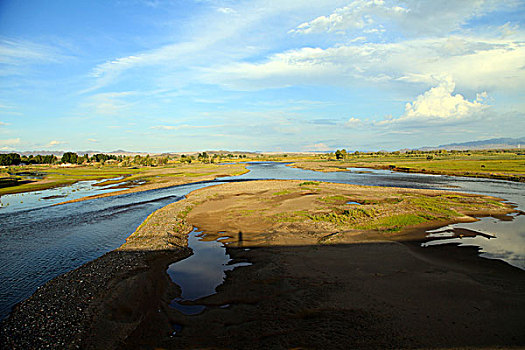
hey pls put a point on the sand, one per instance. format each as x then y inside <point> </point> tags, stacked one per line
<point>364,289</point>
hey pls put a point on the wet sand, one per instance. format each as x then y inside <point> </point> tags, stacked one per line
<point>351,290</point>
<point>165,181</point>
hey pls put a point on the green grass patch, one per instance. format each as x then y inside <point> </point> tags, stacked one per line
<point>344,217</point>
<point>282,193</point>
<point>196,174</point>
<point>395,223</point>
<point>294,216</point>
<point>435,205</point>
<point>337,199</point>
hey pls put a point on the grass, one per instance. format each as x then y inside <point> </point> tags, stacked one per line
<point>54,176</point>
<point>336,199</point>
<point>345,216</point>
<point>509,165</point>
<point>295,216</point>
<point>436,205</point>
<point>282,193</point>
<point>395,222</point>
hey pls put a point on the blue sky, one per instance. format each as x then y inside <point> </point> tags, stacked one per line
<point>259,75</point>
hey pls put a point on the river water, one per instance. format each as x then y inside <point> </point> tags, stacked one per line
<point>41,242</point>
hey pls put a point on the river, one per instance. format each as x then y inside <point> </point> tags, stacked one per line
<point>44,241</point>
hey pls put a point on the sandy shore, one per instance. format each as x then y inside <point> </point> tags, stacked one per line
<point>167,182</point>
<point>357,289</point>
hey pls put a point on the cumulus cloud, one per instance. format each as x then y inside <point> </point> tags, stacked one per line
<point>441,104</point>
<point>353,122</point>
<point>3,124</point>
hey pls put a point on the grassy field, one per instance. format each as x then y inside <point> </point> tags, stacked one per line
<point>507,165</point>
<point>501,165</point>
<point>17,179</point>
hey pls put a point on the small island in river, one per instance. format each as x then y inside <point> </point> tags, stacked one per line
<point>333,266</point>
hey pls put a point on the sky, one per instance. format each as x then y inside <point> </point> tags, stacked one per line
<point>259,75</point>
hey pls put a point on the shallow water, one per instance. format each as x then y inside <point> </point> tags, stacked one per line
<point>200,274</point>
<point>10,203</point>
<point>510,243</point>
<point>41,242</point>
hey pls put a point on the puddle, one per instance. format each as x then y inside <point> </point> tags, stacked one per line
<point>495,238</point>
<point>30,175</point>
<point>353,203</point>
<point>199,275</point>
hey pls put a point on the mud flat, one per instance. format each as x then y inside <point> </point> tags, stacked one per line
<point>324,274</point>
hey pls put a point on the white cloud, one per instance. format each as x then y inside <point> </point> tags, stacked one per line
<point>321,147</point>
<point>353,122</point>
<point>357,15</point>
<point>440,104</point>
<point>92,140</point>
<point>17,52</point>
<point>184,126</point>
<point>54,143</point>
<point>226,10</point>
<point>10,142</point>
<point>109,103</point>
<point>413,18</point>
<point>3,124</point>
<point>474,63</point>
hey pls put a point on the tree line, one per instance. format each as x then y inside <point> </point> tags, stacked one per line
<point>67,157</point>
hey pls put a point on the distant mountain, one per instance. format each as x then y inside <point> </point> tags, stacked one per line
<point>501,143</point>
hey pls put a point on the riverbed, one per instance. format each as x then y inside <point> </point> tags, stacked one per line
<point>43,242</point>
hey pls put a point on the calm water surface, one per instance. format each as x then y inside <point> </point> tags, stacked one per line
<point>40,242</point>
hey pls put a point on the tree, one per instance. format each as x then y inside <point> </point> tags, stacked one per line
<point>203,157</point>
<point>162,160</point>
<point>340,154</point>
<point>69,157</point>
<point>10,159</point>
<point>185,159</point>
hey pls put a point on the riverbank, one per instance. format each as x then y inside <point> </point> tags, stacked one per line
<point>501,169</point>
<point>307,287</point>
<point>130,180</point>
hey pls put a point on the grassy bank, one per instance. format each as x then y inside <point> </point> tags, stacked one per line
<point>18,179</point>
<point>506,165</point>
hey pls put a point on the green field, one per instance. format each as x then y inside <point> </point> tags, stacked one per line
<point>55,176</point>
<point>507,165</point>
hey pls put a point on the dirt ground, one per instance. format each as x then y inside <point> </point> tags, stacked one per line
<point>306,288</point>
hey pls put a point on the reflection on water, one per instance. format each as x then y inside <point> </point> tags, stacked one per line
<point>509,244</point>
<point>199,275</point>
<point>496,239</point>
<point>42,243</point>
<point>10,203</point>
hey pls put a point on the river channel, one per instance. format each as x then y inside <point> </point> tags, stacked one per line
<point>41,242</point>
